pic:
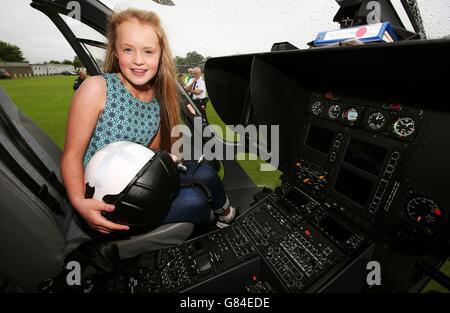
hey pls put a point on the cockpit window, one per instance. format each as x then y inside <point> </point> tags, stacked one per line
<point>227,27</point>
<point>436,17</point>
<point>92,41</point>
<point>82,30</point>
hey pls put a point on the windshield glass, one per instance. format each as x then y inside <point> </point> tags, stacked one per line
<point>219,27</point>
<point>436,17</point>
<point>216,28</point>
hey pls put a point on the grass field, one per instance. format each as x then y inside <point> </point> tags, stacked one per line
<point>46,100</point>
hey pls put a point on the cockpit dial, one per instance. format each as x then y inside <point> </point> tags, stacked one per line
<point>317,108</point>
<point>334,111</point>
<point>376,121</point>
<point>350,115</point>
<point>424,211</point>
<point>404,127</point>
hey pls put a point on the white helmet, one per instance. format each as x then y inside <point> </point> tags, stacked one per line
<point>138,181</point>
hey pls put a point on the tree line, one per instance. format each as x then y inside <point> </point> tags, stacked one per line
<point>12,53</point>
<point>192,59</point>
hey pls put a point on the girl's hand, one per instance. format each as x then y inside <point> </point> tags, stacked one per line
<point>91,210</point>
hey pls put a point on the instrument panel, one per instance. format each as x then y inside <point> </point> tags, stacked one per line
<point>391,119</point>
<point>355,158</point>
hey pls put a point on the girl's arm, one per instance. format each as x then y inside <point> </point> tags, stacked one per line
<point>87,104</point>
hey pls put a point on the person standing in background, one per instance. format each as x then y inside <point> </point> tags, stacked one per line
<point>197,87</point>
<point>187,78</point>
<point>81,77</point>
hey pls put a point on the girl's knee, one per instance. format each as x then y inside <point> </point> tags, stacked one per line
<point>207,174</point>
<point>189,205</point>
<point>189,198</point>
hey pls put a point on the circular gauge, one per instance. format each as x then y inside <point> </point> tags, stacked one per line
<point>334,111</point>
<point>404,127</point>
<point>376,120</point>
<point>350,115</point>
<point>317,108</point>
<point>424,211</point>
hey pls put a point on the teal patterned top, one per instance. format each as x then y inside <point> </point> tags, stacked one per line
<point>125,118</point>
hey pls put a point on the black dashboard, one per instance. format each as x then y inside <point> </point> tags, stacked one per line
<point>362,131</point>
<point>355,157</point>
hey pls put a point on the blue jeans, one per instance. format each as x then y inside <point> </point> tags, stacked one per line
<point>192,203</point>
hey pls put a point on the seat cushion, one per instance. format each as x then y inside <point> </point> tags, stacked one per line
<point>164,236</point>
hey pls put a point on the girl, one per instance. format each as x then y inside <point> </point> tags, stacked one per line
<point>135,100</point>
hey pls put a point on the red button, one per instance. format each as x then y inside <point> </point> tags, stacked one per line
<point>330,96</point>
<point>395,106</point>
<point>307,233</point>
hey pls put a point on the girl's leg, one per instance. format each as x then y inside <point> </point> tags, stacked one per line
<point>208,176</point>
<point>190,205</point>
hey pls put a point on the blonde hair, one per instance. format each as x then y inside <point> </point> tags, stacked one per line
<point>164,82</point>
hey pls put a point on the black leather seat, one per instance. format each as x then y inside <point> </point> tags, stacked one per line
<point>34,240</point>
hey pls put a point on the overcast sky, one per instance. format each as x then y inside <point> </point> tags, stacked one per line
<point>210,27</point>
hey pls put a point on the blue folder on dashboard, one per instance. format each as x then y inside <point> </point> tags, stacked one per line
<point>381,32</point>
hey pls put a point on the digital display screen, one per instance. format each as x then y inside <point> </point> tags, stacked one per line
<point>335,229</point>
<point>297,198</point>
<point>320,139</point>
<point>353,186</point>
<point>365,156</point>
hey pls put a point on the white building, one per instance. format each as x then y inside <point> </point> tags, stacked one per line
<point>51,69</point>
<point>39,69</point>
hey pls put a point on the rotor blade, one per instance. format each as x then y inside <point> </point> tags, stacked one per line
<point>165,2</point>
